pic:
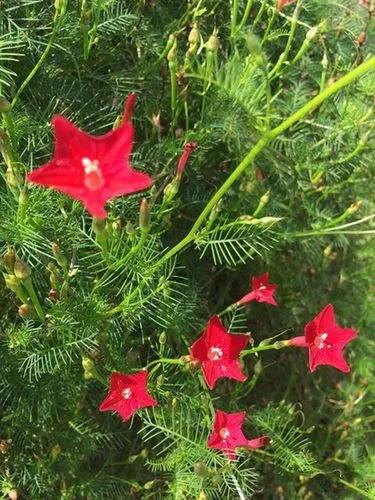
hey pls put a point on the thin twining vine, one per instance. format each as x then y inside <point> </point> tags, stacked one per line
<point>262,143</point>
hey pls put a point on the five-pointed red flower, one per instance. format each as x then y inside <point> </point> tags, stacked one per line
<point>218,350</point>
<point>127,394</point>
<point>262,291</point>
<point>91,169</point>
<point>325,341</point>
<point>227,434</point>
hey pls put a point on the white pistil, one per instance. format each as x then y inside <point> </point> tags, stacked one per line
<point>127,393</point>
<point>214,353</point>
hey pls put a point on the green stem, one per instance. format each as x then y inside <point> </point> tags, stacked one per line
<point>38,64</point>
<point>284,55</point>
<point>233,19</point>
<point>259,15</point>
<point>28,284</point>
<point>245,16</point>
<point>262,143</point>
<point>165,361</point>
<point>269,26</point>
<point>355,488</point>
<point>281,344</point>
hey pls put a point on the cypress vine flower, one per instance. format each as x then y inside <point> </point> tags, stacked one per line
<point>325,341</point>
<point>262,291</point>
<point>217,351</point>
<point>91,169</point>
<point>127,394</point>
<point>227,434</point>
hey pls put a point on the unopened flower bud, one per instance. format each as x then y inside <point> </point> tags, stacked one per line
<point>265,198</point>
<point>171,190</point>
<point>185,359</point>
<point>89,370</point>
<point>25,311</point>
<point>283,3</point>
<point>327,251</point>
<point>4,445</point>
<point>354,207</point>
<point>160,380</point>
<point>194,35</point>
<point>213,42</point>
<point>144,216</point>
<point>361,38</point>
<point>201,470</point>
<point>129,228</point>
<point>9,259</point>
<point>129,107</point>
<point>13,494</point>
<point>202,496</point>
<point>163,338</point>
<point>11,178</point>
<point>59,256</point>
<point>258,367</point>
<point>21,270</point>
<point>324,61</point>
<point>172,54</point>
<point>11,282</point>
<point>5,105</point>
<point>312,33</point>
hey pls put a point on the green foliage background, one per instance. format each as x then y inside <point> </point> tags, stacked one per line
<point>54,441</point>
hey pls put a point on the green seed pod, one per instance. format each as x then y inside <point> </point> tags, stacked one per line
<point>129,228</point>
<point>172,54</point>
<point>170,191</point>
<point>21,270</point>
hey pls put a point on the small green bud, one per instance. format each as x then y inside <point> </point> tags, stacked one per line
<point>327,251</point>
<point>21,270</point>
<point>324,61</point>
<point>201,470</point>
<point>258,368</point>
<point>55,452</point>
<point>163,338</point>
<point>171,190</point>
<point>194,35</point>
<point>129,228</point>
<point>25,311</point>
<point>11,178</point>
<point>312,33</point>
<point>354,207</point>
<point>172,54</point>
<point>160,380</point>
<point>5,105</point>
<point>9,259</point>
<point>59,256</point>
<point>11,282</point>
<point>213,42</point>
<point>89,370</point>
<point>265,198</point>
<point>144,216</point>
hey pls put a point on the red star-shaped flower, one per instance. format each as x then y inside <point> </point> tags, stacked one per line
<point>91,169</point>
<point>227,434</point>
<point>325,341</point>
<point>218,350</point>
<point>127,394</point>
<point>262,291</point>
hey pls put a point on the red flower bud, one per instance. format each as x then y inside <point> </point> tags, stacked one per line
<point>129,107</point>
<point>188,148</point>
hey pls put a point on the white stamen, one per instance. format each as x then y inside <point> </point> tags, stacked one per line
<point>320,340</point>
<point>127,393</point>
<point>214,353</point>
<point>90,165</point>
<point>224,433</point>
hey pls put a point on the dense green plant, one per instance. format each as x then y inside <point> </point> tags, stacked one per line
<point>281,107</point>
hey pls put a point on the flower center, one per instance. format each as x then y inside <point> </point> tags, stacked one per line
<point>263,287</point>
<point>127,393</point>
<point>224,433</point>
<point>214,353</point>
<point>320,340</point>
<point>93,176</point>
